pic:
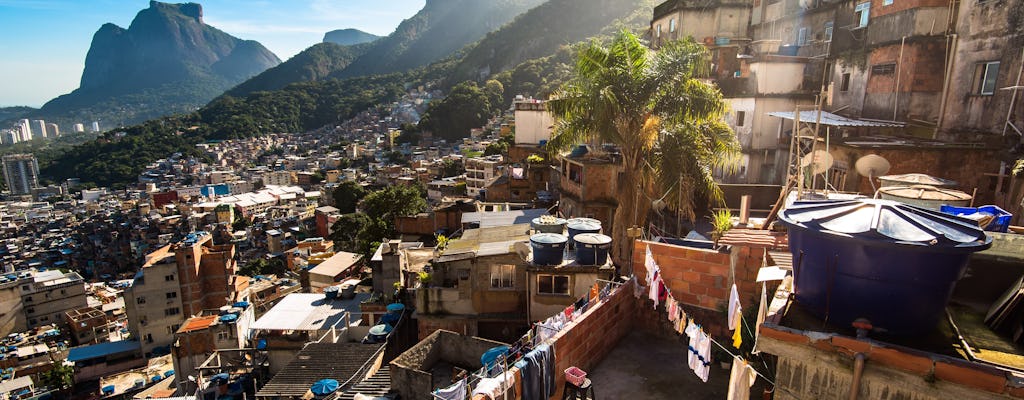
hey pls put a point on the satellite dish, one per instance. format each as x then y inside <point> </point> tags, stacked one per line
<point>872,165</point>
<point>819,161</point>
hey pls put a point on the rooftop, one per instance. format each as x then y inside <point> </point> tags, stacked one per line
<point>102,350</point>
<point>338,361</point>
<point>338,263</point>
<point>198,323</point>
<point>309,312</point>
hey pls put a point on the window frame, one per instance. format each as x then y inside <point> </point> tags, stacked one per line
<point>801,36</point>
<point>506,276</point>
<point>672,25</point>
<point>829,30</point>
<point>844,82</point>
<point>741,116</point>
<point>552,283</point>
<point>862,12</point>
<point>981,76</point>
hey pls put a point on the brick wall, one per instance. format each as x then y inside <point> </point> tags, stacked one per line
<point>699,277</point>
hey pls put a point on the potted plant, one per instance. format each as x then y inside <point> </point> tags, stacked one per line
<point>721,221</point>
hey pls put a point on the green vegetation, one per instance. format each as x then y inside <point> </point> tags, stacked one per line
<point>347,195</point>
<point>501,146</point>
<point>666,121</point>
<point>467,106</point>
<point>450,167</point>
<point>261,266</point>
<point>315,63</point>
<point>363,232</point>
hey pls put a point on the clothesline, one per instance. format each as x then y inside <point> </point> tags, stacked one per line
<point>668,296</point>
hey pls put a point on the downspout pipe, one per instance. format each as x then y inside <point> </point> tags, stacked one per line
<point>858,372</point>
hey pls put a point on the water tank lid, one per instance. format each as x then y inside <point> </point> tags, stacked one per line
<point>331,289</point>
<point>886,221</point>
<point>587,220</point>
<point>380,330</point>
<point>918,179</point>
<point>584,226</point>
<point>548,238</point>
<point>925,192</point>
<point>548,220</point>
<point>592,238</point>
<point>396,307</point>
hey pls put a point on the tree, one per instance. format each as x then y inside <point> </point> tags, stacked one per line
<point>666,122</point>
<point>61,377</point>
<point>394,201</point>
<point>347,195</point>
<point>450,167</point>
<point>466,107</point>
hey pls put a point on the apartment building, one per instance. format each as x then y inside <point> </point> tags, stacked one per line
<point>481,172</point>
<point>178,281</point>
<point>21,173</point>
<point>49,294</point>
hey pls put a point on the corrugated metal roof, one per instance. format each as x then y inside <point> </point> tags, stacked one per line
<point>830,119</point>
<point>101,350</point>
<point>502,218</point>
<point>755,238</point>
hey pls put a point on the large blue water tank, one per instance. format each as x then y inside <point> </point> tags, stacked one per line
<point>548,248</point>
<point>592,248</point>
<point>576,226</point>
<point>894,264</point>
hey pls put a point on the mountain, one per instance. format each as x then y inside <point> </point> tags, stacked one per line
<point>15,112</point>
<point>168,60</point>
<point>540,32</point>
<point>348,37</point>
<point>315,63</point>
<point>435,32</point>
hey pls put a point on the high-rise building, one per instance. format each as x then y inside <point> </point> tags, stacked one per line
<point>10,136</point>
<point>21,172</point>
<point>78,128</point>
<point>25,130</point>
<point>52,130</point>
<point>38,129</point>
<point>95,126</point>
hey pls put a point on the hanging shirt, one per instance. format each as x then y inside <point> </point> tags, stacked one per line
<point>703,348</point>
<point>673,309</point>
<point>595,292</point>
<point>692,330</point>
<point>492,388</point>
<point>655,289</point>
<point>741,378</point>
<point>453,392</point>
<point>734,307</point>
<point>737,335</point>
<point>681,322</point>
<point>649,263</point>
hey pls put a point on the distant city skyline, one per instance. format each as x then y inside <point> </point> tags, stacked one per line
<point>45,41</point>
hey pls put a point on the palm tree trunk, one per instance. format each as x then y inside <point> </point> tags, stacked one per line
<point>632,210</point>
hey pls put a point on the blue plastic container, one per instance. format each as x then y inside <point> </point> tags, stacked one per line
<point>894,264</point>
<point>577,226</point>
<point>548,248</point>
<point>592,248</point>
<point>1000,224</point>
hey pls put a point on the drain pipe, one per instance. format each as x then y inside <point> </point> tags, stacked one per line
<point>858,371</point>
<point>950,56</point>
<point>899,70</point>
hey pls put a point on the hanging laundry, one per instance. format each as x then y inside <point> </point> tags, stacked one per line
<point>681,322</point>
<point>649,263</point>
<point>741,378</point>
<point>703,356</point>
<point>673,309</point>
<point>737,335</point>
<point>762,313</point>
<point>655,289</point>
<point>492,388</point>
<point>453,392</point>
<point>595,292</point>
<point>537,372</point>
<point>638,289</point>
<point>568,313</point>
<point>605,292</point>
<point>734,307</point>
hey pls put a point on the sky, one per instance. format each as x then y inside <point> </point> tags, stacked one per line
<point>44,42</point>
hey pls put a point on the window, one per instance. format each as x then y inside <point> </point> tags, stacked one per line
<point>63,291</point>
<point>741,116</point>
<point>801,37</point>
<point>31,310</point>
<point>985,78</point>
<point>861,14</point>
<point>883,69</point>
<point>887,2</point>
<point>24,287</point>
<point>828,31</point>
<point>502,276</point>
<point>657,31</point>
<point>672,25</point>
<point>844,84</point>
<point>28,299</point>
<point>149,338</point>
<point>172,311</point>
<point>169,278</point>
<point>172,295</point>
<point>223,335</point>
<point>140,300</point>
<point>553,284</point>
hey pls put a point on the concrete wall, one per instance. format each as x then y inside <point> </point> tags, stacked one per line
<point>532,126</point>
<point>820,366</point>
<point>778,76</point>
<point>12,315</point>
<point>146,305</point>
<point>988,31</point>
<point>543,306</point>
<point>410,375</point>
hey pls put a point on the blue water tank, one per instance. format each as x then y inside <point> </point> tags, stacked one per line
<point>548,224</point>
<point>894,264</point>
<point>548,248</point>
<point>592,248</point>
<point>577,226</point>
<point>331,292</point>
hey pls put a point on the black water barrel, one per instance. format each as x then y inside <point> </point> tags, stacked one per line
<point>592,248</point>
<point>548,248</point>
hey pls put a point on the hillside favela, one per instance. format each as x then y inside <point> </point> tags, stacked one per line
<point>512,200</point>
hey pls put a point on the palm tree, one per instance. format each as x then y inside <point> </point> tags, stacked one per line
<point>665,120</point>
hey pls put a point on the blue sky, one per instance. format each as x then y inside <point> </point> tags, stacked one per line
<point>44,42</point>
